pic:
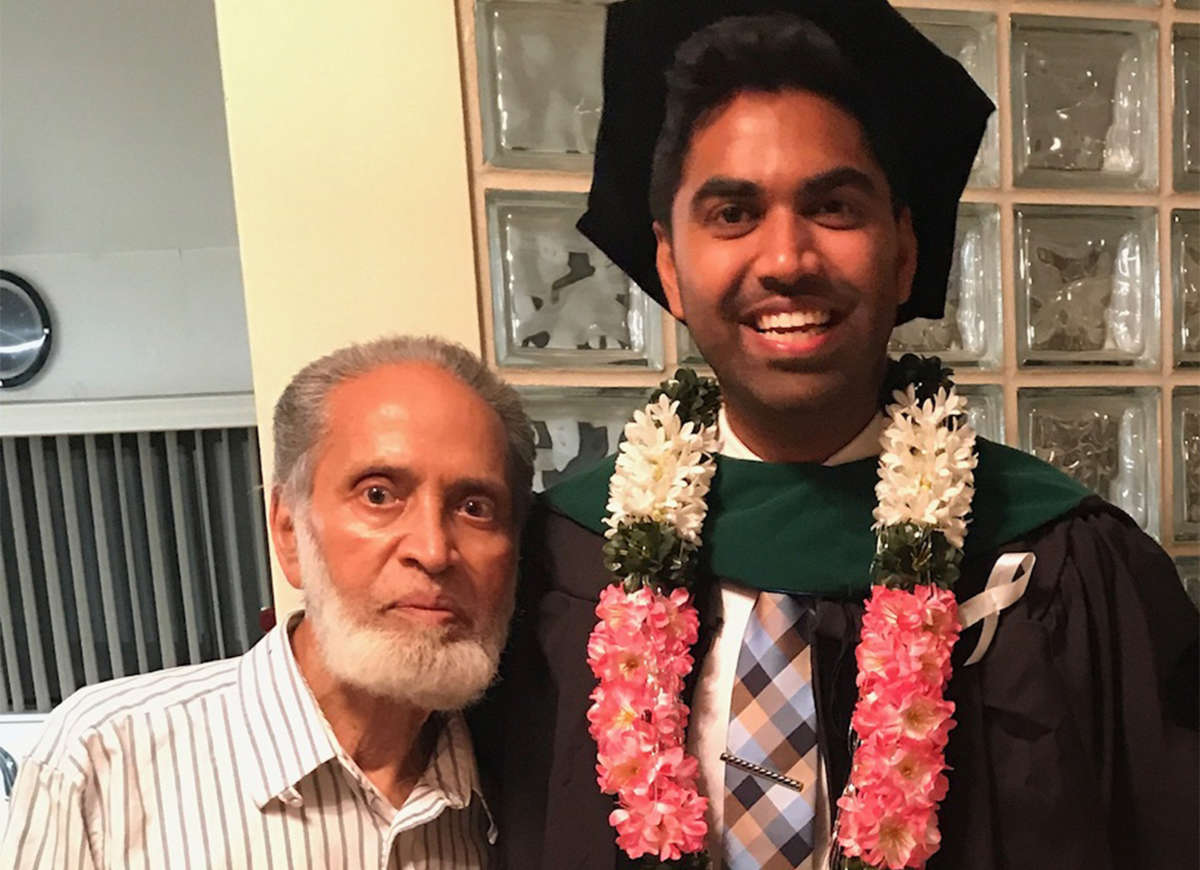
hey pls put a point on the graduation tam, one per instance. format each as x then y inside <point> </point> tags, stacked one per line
<point>921,111</point>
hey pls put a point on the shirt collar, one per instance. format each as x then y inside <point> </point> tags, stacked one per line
<point>452,769</point>
<point>286,734</point>
<point>864,444</point>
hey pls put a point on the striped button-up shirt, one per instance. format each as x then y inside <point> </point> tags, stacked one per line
<point>231,764</point>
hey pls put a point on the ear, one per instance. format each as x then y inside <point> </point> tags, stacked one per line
<point>906,255</point>
<point>665,261</point>
<point>283,536</point>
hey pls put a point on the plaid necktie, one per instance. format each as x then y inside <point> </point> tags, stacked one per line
<point>771,757</point>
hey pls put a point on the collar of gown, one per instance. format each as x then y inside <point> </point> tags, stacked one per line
<point>806,528</point>
<point>863,445</point>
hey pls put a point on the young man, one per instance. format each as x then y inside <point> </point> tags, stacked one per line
<point>789,191</point>
<point>336,741</point>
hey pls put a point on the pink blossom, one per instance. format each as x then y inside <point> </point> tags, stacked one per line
<point>879,827</point>
<point>668,824</point>
<point>673,763</point>
<point>918,766</point>
<point>901,841</point>
<point>941,614</point>
<point>623,612</point>
<point>876,657</point>
<point>635,738</point>
<point>669,717</point>
<point>618,705</point>
<point>926,718</point>
<point>623,771</point>
<point>674,616</point>
<point>911,769</point>
<point>890,608</point>
<point>626,659</point>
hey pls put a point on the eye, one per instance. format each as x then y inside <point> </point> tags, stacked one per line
<point>479,508</point>
<point>732,214</point>
<point>378,495</point>
<point>731,219</point>
<point>837,213</point>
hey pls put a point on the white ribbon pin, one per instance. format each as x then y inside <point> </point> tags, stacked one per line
<point>1005,586</point>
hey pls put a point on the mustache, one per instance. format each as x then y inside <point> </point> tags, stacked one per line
<point>452,594</point>
<point>437,601</point>
<point>733,305</point>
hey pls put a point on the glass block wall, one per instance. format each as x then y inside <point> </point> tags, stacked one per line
<point>1073,314</point>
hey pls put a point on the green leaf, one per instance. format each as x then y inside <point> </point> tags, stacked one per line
<point>925,373</point>
<point>648,553</point>
<point>699,398</point>
<point>914,554</point>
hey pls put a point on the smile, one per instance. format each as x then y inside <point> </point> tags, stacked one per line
<point>790,334</point>
<point>783,323</point>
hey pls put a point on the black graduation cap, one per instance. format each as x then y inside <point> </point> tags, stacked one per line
<point>933,113</point>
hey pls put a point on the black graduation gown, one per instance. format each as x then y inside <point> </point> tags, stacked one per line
<point>1076,744</point>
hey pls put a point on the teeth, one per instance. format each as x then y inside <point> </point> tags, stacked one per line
<point>792,320</point>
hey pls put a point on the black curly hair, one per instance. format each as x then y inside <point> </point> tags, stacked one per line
<point>766,53</point>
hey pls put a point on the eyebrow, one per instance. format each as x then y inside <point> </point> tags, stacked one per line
<point>467,485</point>
<point>398,473</point>
<point>842,176</point>
<point>726,187</point>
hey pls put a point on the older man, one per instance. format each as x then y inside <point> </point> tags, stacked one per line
<point>402,474</point>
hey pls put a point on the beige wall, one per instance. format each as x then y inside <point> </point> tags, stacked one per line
<point>349,165</point>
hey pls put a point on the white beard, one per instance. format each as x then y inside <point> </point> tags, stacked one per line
<point>417,664</point>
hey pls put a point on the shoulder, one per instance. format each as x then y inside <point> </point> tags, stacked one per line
<point>1098,538</point>
<point>1083,550</point>
<point>560,552</point>
<point>1016,494</point>
<point>112,705</point>
<point>1096,567</point>
<point>1017,471</point>
<point>584,496</point>
<point>1096,555</point>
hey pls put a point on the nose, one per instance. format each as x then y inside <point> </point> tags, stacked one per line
<point>425,539</point>
<point>787,253</point>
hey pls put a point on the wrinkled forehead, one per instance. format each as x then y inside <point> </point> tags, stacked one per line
<point>415,414</point>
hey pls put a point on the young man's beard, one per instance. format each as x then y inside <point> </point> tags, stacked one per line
<point>426,666</point>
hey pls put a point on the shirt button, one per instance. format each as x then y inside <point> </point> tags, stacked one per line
<point>292,798</point>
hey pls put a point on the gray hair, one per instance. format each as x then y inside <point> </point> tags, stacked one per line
<point>300,414</point>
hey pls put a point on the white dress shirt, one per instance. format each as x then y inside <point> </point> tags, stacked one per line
<point>231,764</point>
<point>714,685</point>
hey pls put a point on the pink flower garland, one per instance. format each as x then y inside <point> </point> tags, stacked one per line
<point>889,811</point>
<point>640,653</point>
